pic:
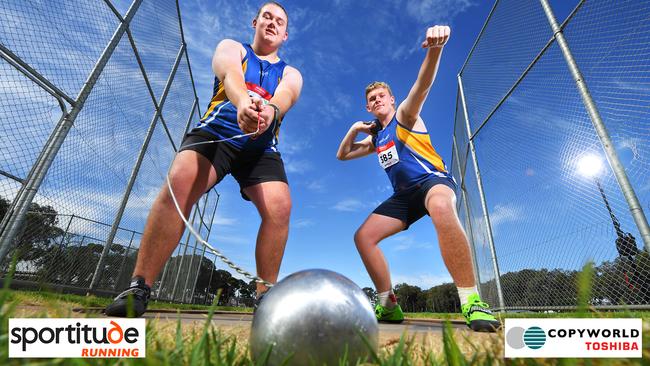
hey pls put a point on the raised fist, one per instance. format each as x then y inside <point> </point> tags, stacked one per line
<point>437,36</point>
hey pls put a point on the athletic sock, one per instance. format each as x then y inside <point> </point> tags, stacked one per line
<point>465,292</point>
<point>387,299</point>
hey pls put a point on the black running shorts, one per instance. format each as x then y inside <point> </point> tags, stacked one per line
<point>248,167</point>
<point>407,205</point>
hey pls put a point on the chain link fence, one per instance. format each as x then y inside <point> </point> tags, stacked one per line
<point>94,103</point>
<point>552,150</point>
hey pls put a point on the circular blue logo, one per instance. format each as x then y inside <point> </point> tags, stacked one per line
<point>534,337</point>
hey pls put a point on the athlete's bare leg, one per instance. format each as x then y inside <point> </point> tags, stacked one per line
<point>454,247</point>
<point>191,175</point>
<point>372,231</point>
<point>273,202</point>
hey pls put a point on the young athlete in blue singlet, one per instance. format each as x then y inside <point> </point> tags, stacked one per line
<point>253,90</point>
<point>262,78</point>
<point>422,186</point>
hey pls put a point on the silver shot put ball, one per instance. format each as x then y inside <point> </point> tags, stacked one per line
<point>314,317</point>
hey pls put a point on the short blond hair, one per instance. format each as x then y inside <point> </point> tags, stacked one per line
<point>376,85</point>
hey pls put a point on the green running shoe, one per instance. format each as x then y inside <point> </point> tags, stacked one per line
<point>478,315</point>
<point>386,315</point>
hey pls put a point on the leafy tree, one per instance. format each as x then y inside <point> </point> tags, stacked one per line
<point>247,293</point>
<point>223,281</point>
<point>372,295</point>
<point>442,298</point>
<point>623,281</point>
<point>202,288</point>
<point>71,259</point>
<point>410,297</point>
<point>38,232</point>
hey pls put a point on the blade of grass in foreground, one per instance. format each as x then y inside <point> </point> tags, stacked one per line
<point>452,352</point>
<point>585,278</point>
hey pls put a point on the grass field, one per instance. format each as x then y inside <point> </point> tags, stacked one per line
<point>40,298</point>
<point>173,343</point>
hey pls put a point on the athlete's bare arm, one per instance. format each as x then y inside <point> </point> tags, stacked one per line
<point>408,112</point>
<point>226,64</point>
<point>288,91</point>
<point>285,96</point>
<point>351,149</point>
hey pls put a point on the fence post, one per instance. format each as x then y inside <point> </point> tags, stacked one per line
<point>207,291</point>
<point>180,262</point>
<point>214,212</point>
<point>196,278</point>
<point>189,268</point>
<point>206,238</point>
<point>126,254</point>
<point>162,280</point>
<point>594,115</point>
<point>189,119</point>
<point>468,231</point>
<point>479,183</point>
<point>187,58</point>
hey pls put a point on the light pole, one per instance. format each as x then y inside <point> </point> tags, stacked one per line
<point>625,242</point>
<point>590,166</point>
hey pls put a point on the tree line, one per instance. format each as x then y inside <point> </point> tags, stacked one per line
<point>616,282</point>
<point>49,255</point>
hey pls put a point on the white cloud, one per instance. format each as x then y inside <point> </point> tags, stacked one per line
<point>505,213</point>
<point>224,221</point>
<point>303,223</point>
<point>433,11</point>
<point>297,166</point>
<point>636,86</point>
<point>406,242</point>
<point>217,240</point>
<point>291,145</point>
<point>633,144</point>
<point>316,186</point>
<point>349,205</point>
<point>336,110</point>
<point>342,3</point>
<point>384,188</point>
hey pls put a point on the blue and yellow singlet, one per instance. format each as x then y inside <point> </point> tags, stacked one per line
<point>262,78</point>
<point>407,156</point>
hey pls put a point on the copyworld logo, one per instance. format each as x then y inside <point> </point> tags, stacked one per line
<point>588,338</point>
<point>61,338</point>
<point>533,337</point>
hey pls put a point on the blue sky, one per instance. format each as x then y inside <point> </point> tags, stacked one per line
<point>340,47</point>
<point>542,213</point>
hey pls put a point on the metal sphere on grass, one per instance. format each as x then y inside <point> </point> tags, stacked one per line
<point>314,317</point>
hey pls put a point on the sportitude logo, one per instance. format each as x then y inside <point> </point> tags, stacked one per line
<point>75,337</point>
<point>558,338</point>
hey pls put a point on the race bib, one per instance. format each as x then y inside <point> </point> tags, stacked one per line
<point>387,155</point>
